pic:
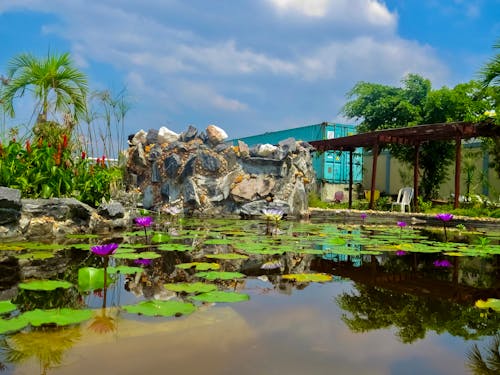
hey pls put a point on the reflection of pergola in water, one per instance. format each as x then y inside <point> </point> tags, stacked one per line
<point>411,136</point>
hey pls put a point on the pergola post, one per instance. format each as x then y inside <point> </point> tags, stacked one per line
<point>374,175</point>
<point>350,178</point>
<point>458,161</point>
<point>416,167</point>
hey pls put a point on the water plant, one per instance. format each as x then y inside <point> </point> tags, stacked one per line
<point>144,222</point>
<point>272,215</point>
<point>401,225</point>
<point>444,217</point>
<point>442,263</point>
<point>105,251</point>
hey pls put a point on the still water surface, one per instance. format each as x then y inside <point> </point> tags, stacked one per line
<point>399,316</point>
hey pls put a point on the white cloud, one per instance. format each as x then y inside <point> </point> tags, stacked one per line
<point>354,12</point>
<point>311,8</point>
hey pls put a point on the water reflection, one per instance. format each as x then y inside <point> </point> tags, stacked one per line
<point>393,299</point>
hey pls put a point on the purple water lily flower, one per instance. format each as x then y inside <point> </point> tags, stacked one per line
<point>144,221</point>
<point>143,262</point>
<point>401,224</point>
<point>400,253</point>
<point>442,263</point>
<point>444,216</point>
<point>104,250</point>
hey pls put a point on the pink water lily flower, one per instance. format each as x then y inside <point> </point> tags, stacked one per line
<point>144,221</point>
<point>402,224</point>
<point>143,262</point>
<point>442,263</point>
<point>444,216</point>
<point>400,253</point>
<point>104,250</point>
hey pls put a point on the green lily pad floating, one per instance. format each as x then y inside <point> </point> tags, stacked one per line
<point>220,275</point>
<point>36,255</point>
<point>228,256</point>
<point>61,317</point>
<point>199,266</point>
<point>219,241</point>
<point>161,308</point>
<point>45,285</point>
<point>11,247</point>
<point>125,269</point>
<point>7,306</point>
<point>308,277</point>
<point>12,325</point>
<point>90,278</point>
<point>144,255</point>
<point>196,287</point>
<point>490,303</point>
<point>81,236</point>
<point>220,296</point>
<point>124,250</point>
<point>160,237</point>
<point>174,247</point>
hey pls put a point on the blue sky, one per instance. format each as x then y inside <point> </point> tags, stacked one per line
<point>251,66</point>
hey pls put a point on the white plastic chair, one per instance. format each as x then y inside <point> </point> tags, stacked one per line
<point>405,195</point>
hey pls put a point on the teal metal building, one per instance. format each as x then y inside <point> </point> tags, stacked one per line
<point>331,167</point>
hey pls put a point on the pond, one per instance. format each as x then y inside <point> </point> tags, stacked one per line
<point>218,296</point>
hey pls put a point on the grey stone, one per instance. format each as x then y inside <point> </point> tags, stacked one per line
<point>189,134</point>
<point>138,156</point>
<point>188,169</point>
<point>255,208</point>
<point>155,152</point>
<point>221,147</point>
<point>190,194</point>
<point>112,210</point>
<point>152,137</point>
<point>155,172</point>
<point>171,165</point>
<point>148,198</point>
<point>209,162</point>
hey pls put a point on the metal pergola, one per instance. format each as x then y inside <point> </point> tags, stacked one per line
<point>411,136</point>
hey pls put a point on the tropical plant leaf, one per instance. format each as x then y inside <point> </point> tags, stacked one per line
<point>90,278</point>
<point>143,255</point>
<point>45,285</point>
<point>220,296</point>
<point>196,287</point>
<point>127,270</point>
<point>308,277</point>
<point>161,308</point>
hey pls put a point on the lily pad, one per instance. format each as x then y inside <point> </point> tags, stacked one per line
<point>161,308</point>
<point>61,317</point>
<point>132,256</point>
<point>45,285</point>
<point>160,237</point>
<point>174,247</point>
<point>11,325</point>
<point>90,278</point>
<point>199,266</point>
<point>7,306</point>
<point>196,287</point>
<point>219,241</point>
<point>308,277</point>
<point>36,255</point>
<point>220,275</point>
<point>220,296</point>
<point>228,256</point>
<point>125,269</point>
<point>490,303</point>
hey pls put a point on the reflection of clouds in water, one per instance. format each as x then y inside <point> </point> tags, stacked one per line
<point>315,332</point>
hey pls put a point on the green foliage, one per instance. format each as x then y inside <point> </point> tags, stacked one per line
<point>161,308</point>
<point>46,77</point>
<point>45,170</point>
<point>220,296</point>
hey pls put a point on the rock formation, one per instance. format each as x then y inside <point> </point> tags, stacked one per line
<point>205,176</point>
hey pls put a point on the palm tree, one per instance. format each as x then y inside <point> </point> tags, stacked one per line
<point>487,364</point>
<point>490,73</point>
<point>51,79</point>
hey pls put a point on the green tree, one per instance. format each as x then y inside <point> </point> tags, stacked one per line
<point>385,107</point>
<point>490,78</point>
<point>53,81</point>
